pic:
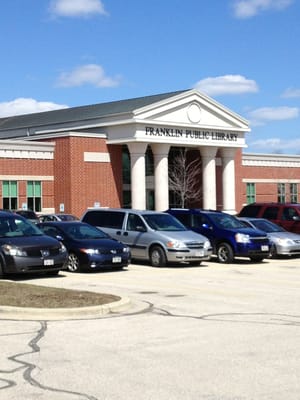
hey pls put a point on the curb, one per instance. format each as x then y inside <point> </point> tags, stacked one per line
<point>54,314</point>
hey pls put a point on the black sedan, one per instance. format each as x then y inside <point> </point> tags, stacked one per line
<point>26,249</point>
<point>89,248</point>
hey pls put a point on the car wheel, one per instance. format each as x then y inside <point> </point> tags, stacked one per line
<point>273,251</point>
<point>225,253</point>
<point>73,264</point>
<point>157,257</point>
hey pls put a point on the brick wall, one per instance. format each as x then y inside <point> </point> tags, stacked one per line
<point>19,169</point>
<point>80,184</point>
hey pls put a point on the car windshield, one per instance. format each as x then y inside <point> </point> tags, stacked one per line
<point>226,221</point>
<point>14,226</point>
<point>83,231</point>
<point>163,222</point>
<point>266,226</point>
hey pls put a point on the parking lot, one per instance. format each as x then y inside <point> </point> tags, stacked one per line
<point>213,332</point>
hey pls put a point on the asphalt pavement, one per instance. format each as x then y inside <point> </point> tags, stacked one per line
<point>213,332</point>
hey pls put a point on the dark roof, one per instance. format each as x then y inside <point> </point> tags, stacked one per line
<point>81,113</point>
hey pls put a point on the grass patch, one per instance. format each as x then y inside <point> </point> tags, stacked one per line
<point>26,295</point>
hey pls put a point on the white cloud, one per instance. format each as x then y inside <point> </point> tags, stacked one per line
<point>250,8</point>
<point>266,114</point>
<point>91,74</point>
<point>27,106</point>
<point>275,145</point>
<point>77,8</point>
<point>227,84</point>
<point>291,92</point>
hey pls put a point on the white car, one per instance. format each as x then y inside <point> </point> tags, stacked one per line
<point>57,217</point>
<point>153,236</point>
<point>284,243</point>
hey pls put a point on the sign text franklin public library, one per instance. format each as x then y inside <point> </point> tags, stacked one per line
<point>191,134</point>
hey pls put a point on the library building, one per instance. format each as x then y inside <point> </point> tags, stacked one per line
<point>131,153</point>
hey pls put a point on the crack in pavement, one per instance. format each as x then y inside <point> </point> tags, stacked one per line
<point>270,318</point>
<point>30,367</point>
<point>149,308</point>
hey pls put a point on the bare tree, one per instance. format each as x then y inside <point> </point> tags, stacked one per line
<point>184,178</point>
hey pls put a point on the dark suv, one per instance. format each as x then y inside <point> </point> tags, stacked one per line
<point>286,215</point>
<point>228,236</point>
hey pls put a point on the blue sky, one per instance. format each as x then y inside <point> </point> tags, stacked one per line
<point>243,53</point>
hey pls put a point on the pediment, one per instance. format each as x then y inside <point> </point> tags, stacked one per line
<point>191,108</point>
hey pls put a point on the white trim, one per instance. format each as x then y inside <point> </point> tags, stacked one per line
<point>190,126</point>
<point>270,160</point>
<point>26,154</point>
<point>254,180</point>
<point>23,150</point>
<point>89,156</point>
<point>191,95</point>
<point>63,133</point>
<point>26,178</point>
<point>23,144</point>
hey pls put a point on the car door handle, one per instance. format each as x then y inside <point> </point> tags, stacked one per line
<point>118,233</point>
<point>125,233</point>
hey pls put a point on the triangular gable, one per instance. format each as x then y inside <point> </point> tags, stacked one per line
<point>191,108</point>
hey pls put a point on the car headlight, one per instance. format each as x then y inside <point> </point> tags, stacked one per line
<point>207,244</point>
<point>63,248</point>
<point>242,238</point>
<point>284,242</point>
<point>126,249</point>
<point>175,244</point>
<point>13,251</point>
<point>91,251</point>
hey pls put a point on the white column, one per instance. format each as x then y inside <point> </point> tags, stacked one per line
<point>138,175</point>
<point>208,156</point>
<point>228,179</point>
<point>161,176</point>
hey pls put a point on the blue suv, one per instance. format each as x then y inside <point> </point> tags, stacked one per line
<point>228,236</point>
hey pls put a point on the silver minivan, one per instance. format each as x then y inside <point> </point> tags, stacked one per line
<point>153,236</point>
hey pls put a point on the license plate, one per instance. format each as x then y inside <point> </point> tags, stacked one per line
<point>116,259</point>
<point>48,262</point>
<point>265,248</point>
<point>199,253</point>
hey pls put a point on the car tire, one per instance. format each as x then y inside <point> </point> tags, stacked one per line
<point>1,271</point>
<point>225,253</point>
<point>158,257</point>
<point>73,264</point>
<point>273,251</point>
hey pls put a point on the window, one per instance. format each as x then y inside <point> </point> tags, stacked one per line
<point>149,162</point>
<point>184,218</point>
<point>105,219</point>
<point>34,195</point>
<point>250,193</point>
<point>126,164</point>
<point>134,223</point>
<point>281,193</point>
<point>294,193</point>
<point>289,213</point>
<point>9,195</point>
<point>271,213</point>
